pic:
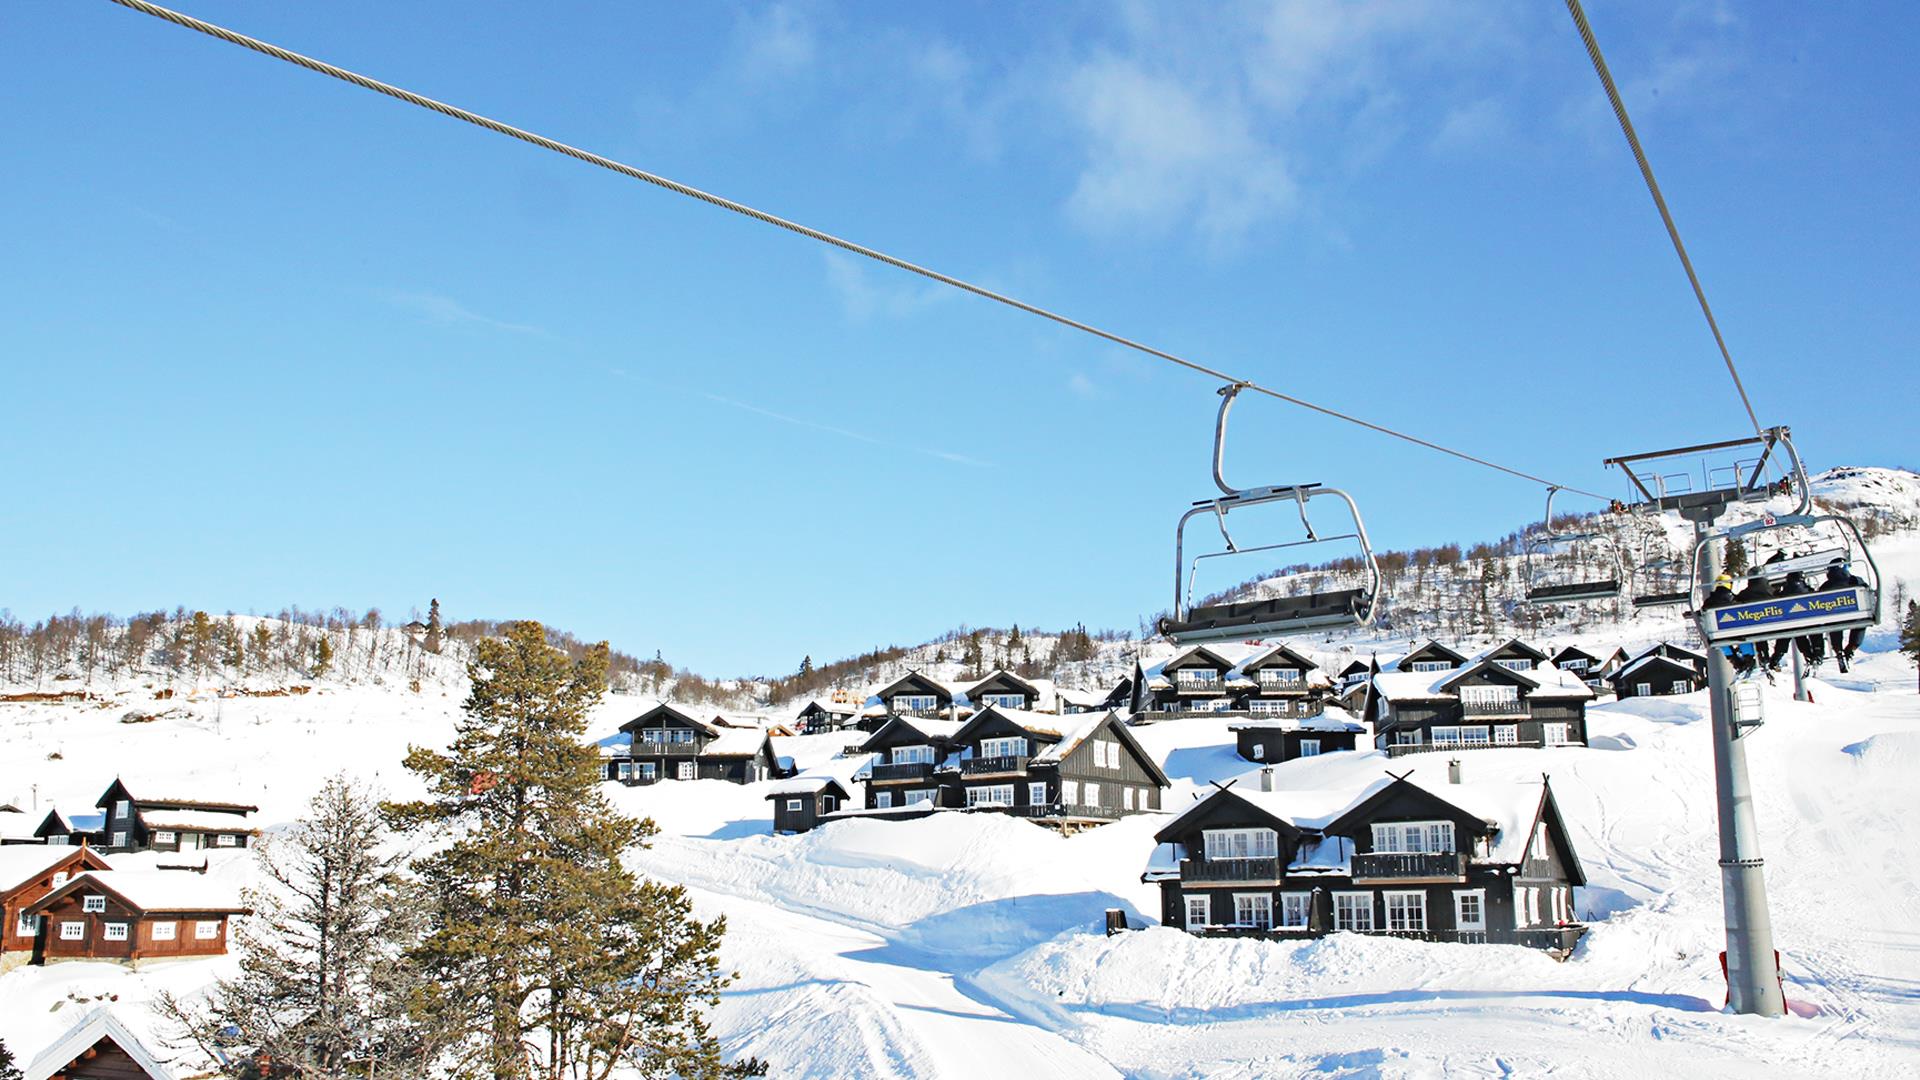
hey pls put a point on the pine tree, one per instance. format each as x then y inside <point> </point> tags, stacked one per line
<point>1910,633</point>
<point>262,645</point>
<point>324,982</point>
<point>432,644</point>
<point>1736,560</point>
<point>973,658</point>
<point>322,656</point>
<point>806,666</point>
<point>9,1069</point>
<point>547,955</point>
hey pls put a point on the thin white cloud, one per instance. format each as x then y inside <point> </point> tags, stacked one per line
<point>776,42</point>
<point>866,292</point>
<point>849,433</point>
<point>444,309</point>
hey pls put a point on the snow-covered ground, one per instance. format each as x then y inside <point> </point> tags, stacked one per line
<point>968,945</point>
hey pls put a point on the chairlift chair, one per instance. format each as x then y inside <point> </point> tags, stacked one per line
<point>1850,607</point>
<point>1277,617</point>
<point>1541,589</point>
<point>1660,580</point>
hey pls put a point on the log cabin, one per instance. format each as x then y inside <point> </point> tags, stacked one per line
<point>1036,766</point>
<point>1406,856</point>
<point>99,1047</point>
<point>1655,674</point>
<point>670,743</point>
<point>907,750</point>
<point>27,873</point>
<point>1483,705</point>
<point>133,916</point>
<point>1270,740</point>
<point>139,818</point>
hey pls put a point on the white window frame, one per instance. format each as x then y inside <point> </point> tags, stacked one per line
<point>27,925</point>
<point>796,806</point>
<point>60,878</point>
<point>122,810</point>
<point>1414,837</point>
<point>1506,734</point>
<point>1069,793</point>
<point>1541,845</point>
<point>1253,910</point>
<point>206,930</point>
<point>1521,665</point>
<point>94,904</point>
<point>1406,910</point>
<point>1643,689</point>
<point>1461,900</point>
<point>1091,793</point>
<point>1006,746</point>
<point>1556,733</point>
<point>1406,736</point>
<point>1680,686</point>
<point>916,754</point>
<point>1196,677</point>
<point>1309,747</point>
<point>73,930</point>
<point>649,770</point>
<point>684,770</point>
<point>1036,793</point>
<point>165,836</point>
<point>114,931</point>
<point>1432,665</point>
<point>1006,701</point>
<point>1259,751</point>
<point>1475,735</point>
<point>916,796</point>
<point>623,770</point>
<point>1126,798</point>
<point>1199,910</point>
<point>990,795</point>
<point>118,839</point>
<point>227,839</point>
<point>165,931</point>
<point>1445,734</point>
<point>915,703</point>
<point>1296,910</point>
<point>1353,911</point>
<point>1222,845</point>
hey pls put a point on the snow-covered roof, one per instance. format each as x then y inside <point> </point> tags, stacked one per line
<point>21,863</point>
<point>144,790</point>
<point>1625,674</point>
<point>194,821</point>
<point>1544,681</point>
<point>826,705</point>
<point>735,742</point>
<point>16,825</point>
<point>1331,719</point>
<point>101,1023</point>
<point>1071,739</point>
<point>1081,699</point>
<point>840,770</point>
<point>1040,723</point>
<point>156,890</point>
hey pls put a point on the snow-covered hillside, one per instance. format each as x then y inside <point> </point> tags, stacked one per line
<point>969,945</point>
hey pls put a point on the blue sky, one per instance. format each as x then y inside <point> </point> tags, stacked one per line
<point>269,339</point>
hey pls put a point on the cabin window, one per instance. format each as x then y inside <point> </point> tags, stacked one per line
<point>918,795</point>
<point>1506,735</point>
<point>164,931</point>
<point>1126,798</point>
<point>990,795</point>
<point>1254,910</point>
<point>1453,735</point>
<point>1516,665</point>
<point>1407,736</point>
<point>1309,747</point>
<point>1037,794</point>
<point>93,904</point>
<point>60,878</point>
<point>1242,844</point>
<point>73,931</point>
<point>1295,907</point>
<point>166,836</point>
<point>122,810</point>
<point>60,840</point>
<point>1540,847</point>
<point>206,929</point>
<point>1406,910</point>
<point>1092,795</point>
<point>119,839</point>
<point>1010,747</point>
<point>1680,686</point>
<point>1490,698</point>
<point>1575,665</point>
<point>115,931</point>
<point>1263,707</point>
<point>1279,677</point>
<point>1413,836</point>
<point>795,806</point>
<point>624,770</point>
<point>1432,665</point>
<point>911,755</point>
<point>1197,677</point>
<point>1470,909</point>
<point>28,926</point>
<point>683,770</point>
<point>1259,751</point>
<point>915,703</point>
<point>882,799</point>
<point>1199,910</point>
<point>1644,689</point>
<point>1353,911</point>
<point>1069,792</point>
<point>660,736</point>
<point>1007,701</point>
<point>1554,734</point>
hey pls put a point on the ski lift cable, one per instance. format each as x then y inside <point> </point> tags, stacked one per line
<point>321,67</point>
<point>1659,201</point>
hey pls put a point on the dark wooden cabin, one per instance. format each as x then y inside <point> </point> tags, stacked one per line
<point>1050,770</point>
<point>1007,691</point>
<point>1654,674</point>
<point>1482,706</point>
<point>1431,656</point>
<point>137,818</point>
<point>908,750</point>
<point>1270,741</point>
<point>822,715</point>
<point>914,694</point>
<point>801,803</point>
<point>99,1047</point>
<point>668,743</point>
<point>1426,860</point>
<point>1515,655</point>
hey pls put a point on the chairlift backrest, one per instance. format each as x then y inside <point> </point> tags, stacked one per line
<point>1541,589</point>
<point>1821,610</point>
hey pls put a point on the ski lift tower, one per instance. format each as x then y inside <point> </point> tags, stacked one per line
<point>1669,480</point>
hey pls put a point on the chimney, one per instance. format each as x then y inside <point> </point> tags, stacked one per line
<point>1453,771</point>
<point>1266,778</point>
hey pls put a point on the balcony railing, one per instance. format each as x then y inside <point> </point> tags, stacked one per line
<point>686,749</point>
<point>902,771</point>
<point>1055,810</point>
<point>1558,940</point>
<point>1233,870</point>
<point>1403,749</point>
<point>1410,866</point>
<point>992,766</point>
<point>1503,707</point>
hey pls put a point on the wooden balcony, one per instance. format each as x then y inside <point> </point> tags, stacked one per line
<point>902,772</point>
<point>1232,871</point>
<point>1514,708</point>
<point>994,766</point>
<point>666,749</point>
<point>1409,867</point>
<point>1055,810</point>
<point>1395,750</point>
